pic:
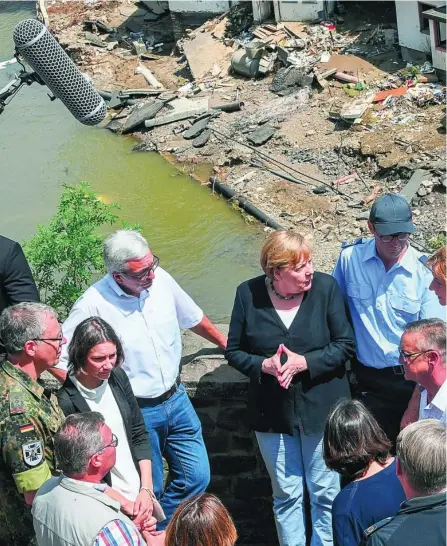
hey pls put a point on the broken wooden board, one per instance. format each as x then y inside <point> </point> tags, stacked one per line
<point>356,109</point>
<point>296,29</point>
<point>203,52</point>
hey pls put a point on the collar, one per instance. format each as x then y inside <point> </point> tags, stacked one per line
<point>407,261</point>
<point>23,378</point>
<point>120,292</point>
<point>440,399</point>
<point>82,482</point>
<point>370,250</point>
<point>417,504</point>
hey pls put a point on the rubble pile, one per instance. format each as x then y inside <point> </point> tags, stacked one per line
<point>284,113</point>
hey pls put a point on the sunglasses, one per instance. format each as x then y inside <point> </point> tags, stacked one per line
<point>146,272</point>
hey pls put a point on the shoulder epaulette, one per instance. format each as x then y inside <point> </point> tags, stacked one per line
<point>358,241</point>
<point>16,403</point>
<point>423,259</point>
<point>368,532</point>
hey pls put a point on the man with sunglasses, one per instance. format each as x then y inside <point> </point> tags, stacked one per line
<point>29,417</point>
<point>422,355</point>
<point>147,308</point>
<point>385,286</point>
<point>72,508</point>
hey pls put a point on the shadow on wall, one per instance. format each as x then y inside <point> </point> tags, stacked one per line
<point>238,475</point>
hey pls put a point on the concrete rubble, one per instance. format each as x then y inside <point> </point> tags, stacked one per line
<point>307,121</point>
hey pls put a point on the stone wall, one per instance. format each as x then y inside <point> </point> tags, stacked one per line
<point>238,475</point>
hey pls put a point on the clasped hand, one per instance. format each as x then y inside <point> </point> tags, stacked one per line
<point>295,364</point>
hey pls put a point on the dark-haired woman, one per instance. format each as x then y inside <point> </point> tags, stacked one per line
<point>358,449</point>
<point>96,383</point>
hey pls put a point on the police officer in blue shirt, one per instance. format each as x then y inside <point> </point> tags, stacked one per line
<point>385,286</point>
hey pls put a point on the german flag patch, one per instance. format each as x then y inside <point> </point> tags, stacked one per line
<point>26,428</point>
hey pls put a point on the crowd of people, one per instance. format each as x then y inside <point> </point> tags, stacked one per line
<point>347,397</point>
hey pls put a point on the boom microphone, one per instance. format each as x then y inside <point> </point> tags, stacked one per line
<point>59,73</point>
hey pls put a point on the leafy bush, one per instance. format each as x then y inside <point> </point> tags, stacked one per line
<point>65,254</point>
<point>436,242</point>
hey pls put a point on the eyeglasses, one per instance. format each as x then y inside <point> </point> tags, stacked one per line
<point>406,356</point>
<point>60,338</point>
<point>113,443</point>
<point>402,237</point>
<point>146,272</point>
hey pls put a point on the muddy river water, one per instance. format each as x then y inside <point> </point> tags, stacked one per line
<point>201,241</point>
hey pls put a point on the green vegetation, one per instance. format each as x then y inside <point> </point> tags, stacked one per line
<point>65,254</point>
<point>436,242</point>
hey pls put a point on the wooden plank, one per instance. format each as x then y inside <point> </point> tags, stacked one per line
<point>259,34</point>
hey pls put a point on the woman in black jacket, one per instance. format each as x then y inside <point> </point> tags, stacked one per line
<point>290,335</point>
<point>96,383</point>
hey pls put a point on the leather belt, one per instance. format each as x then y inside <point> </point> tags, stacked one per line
<point>150,402</point>
<point>395,370</point>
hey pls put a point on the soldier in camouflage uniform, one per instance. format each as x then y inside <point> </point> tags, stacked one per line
<point>28,416</point>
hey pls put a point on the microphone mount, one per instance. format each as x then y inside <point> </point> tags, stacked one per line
<point>12,88</point>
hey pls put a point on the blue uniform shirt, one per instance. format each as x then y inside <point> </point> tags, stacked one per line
<point>382,302</point>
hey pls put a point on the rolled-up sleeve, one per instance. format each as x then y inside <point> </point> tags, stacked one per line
<point>236,351</point>
<point>342,343</point>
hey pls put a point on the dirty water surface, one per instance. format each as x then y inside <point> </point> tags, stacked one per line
<point>201,241</point>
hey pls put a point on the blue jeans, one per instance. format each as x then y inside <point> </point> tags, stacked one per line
<point>295,462</point>
<point>176,434</point>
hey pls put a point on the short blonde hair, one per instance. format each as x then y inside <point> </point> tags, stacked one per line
<point>437,264</point>
<point>283,249</point>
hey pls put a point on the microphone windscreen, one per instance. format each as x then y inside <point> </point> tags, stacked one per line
<point>59,73</point>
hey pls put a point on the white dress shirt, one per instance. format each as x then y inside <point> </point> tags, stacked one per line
<point>437,409</point>
<point>148,326</point>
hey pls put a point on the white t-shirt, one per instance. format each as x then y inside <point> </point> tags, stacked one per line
<point>148,326</point>
<point>125,478</point>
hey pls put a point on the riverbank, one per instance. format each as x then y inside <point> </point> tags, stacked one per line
<point>304,137</point>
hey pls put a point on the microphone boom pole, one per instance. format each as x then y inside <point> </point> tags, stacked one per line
<point>53,68</point>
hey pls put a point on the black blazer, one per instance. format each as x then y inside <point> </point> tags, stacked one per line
<point>16,280</point>
<point>320,332</point>
<point>71,401</point>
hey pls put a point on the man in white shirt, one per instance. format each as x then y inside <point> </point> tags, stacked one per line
<point>73,508</point>
<point>422,354</point>
<point>147,309</point>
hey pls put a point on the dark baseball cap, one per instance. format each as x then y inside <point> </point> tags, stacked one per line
<point>391,214</point>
